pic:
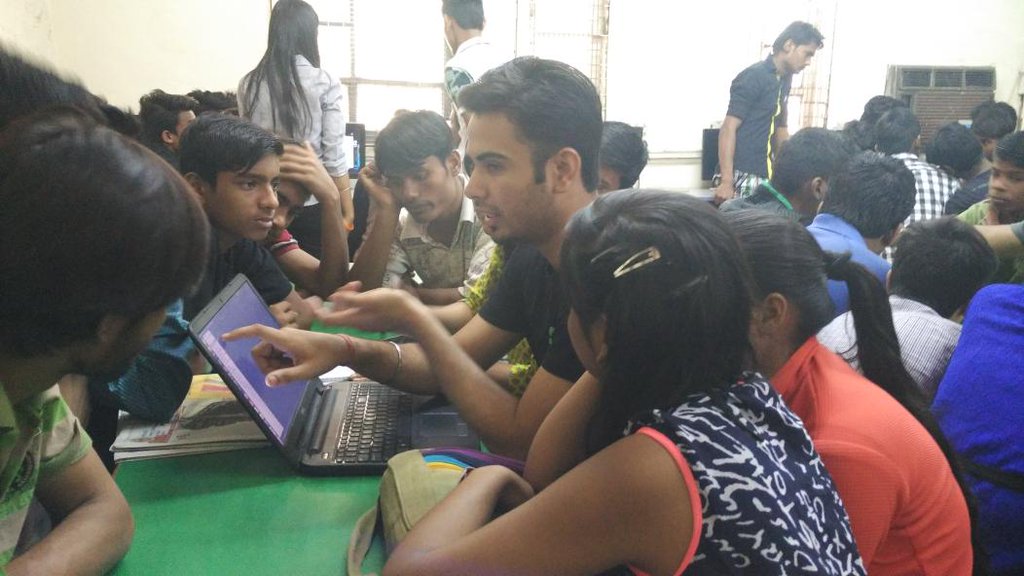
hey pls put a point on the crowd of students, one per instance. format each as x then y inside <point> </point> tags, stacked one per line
<point>779,385</point>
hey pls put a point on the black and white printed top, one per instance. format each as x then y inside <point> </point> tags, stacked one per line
<point>766,503</point>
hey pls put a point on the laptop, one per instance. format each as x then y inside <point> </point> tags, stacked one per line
<point>344,427</point>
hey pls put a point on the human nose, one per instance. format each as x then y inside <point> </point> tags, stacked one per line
<point>268,198</point>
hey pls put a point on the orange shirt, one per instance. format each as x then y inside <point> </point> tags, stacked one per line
<point>907,512</point>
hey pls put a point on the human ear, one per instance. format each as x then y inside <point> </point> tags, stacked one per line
<point>199,186</point>
<point>563,168</point>
<point>168,137</point>
<point>453,163</point>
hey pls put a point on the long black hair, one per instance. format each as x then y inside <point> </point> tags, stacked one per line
<point>669,278</point>
<point>785,259</point>
<point>293,32</point>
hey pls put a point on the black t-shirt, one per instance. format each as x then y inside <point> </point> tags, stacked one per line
<point>973,191</point>
<point>754,98</point>
<point>528,301</point>
<point>245,257</point>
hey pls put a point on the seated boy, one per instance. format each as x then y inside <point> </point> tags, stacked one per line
<point>1005,202</point>
<point>302,176</point>
<point>440,240</point>
<point>623,156</point>
<point>85,300</point>
<point>233,167</point>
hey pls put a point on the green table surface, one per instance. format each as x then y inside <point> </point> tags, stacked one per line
<point>244,512</point>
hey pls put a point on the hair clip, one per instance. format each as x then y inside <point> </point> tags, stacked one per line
<point>638,260</point>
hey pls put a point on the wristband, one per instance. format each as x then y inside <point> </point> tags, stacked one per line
<point>349,347</point>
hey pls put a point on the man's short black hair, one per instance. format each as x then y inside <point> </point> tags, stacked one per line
<point>801,33</point>
<point>159,111</point>
<point>1010,148</point>
<point>409,139</point>
<point>896,131</point>
<point>468,14</point>
<point>551,104</point>
<point>808,154</point>
<point>993,120</point>
<point>207,101</point>
<point>954,148</point>
<point>93,225</point>
<point>941,263</point>
<point>221,143</point>
<point>623,150</point>
<point>873,193</point>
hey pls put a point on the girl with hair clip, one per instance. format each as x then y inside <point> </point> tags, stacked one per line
<point>691,463</point>
<point>895,471</point>
<point>288,94</point>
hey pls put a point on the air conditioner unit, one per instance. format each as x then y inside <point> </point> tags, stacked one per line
<point>940,94</point>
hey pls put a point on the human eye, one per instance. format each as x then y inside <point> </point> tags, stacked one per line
<point>467,165</point>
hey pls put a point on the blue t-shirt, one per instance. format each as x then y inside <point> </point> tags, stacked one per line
<point>980,407</point>
<point>837,235</point>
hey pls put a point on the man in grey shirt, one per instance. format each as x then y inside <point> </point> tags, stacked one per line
<point>937,267</point>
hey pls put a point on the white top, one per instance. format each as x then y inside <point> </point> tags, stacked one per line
<point>473,58</point>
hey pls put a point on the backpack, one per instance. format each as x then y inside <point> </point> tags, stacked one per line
<point>414,482</point>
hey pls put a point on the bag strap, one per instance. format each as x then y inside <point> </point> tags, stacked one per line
<point>1001,478</point>
<point>359,542</point>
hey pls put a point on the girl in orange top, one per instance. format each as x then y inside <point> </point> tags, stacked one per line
<point>888,458</point>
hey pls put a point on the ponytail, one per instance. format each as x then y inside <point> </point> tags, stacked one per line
<point>878,352</point>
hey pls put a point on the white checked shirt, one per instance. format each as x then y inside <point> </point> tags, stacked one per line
<point>934,187</point>
<point>927,341</point>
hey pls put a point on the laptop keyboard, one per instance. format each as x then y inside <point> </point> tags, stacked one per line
<point>371,429</point>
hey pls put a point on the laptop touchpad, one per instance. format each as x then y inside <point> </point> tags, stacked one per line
<point>433,424</point>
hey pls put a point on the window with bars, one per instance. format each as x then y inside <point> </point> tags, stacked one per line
<point>390,54</point>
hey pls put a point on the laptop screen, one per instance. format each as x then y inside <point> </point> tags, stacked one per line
<point>275,406</point>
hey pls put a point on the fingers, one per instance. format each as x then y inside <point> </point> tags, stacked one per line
<point>254,330</point>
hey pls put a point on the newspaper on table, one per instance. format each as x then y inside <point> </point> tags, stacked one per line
<point>209,420</point>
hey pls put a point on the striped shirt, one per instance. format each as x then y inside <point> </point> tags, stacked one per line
<point>39,438</point>
<point>927,341</point>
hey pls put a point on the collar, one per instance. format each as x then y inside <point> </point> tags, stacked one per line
<point>905,156</point>
<point>837,225</point>
<point>906,305</point>
<point>792,380</point>
<point>467,215</point>
<point>470,43</point>
<point>300,60</point>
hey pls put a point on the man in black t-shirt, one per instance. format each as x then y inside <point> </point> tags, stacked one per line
<point>532,156</point>
<point>755,124</point>
<point>234,167</point>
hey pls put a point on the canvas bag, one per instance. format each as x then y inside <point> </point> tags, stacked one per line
<point>414,482</point>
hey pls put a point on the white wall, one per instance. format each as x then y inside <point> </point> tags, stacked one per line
<point>669,63</point>
<point>25,24</point>
<point>121,49</point>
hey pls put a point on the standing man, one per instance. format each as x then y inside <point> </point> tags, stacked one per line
<point>755,124</point>
<point>472,55</point>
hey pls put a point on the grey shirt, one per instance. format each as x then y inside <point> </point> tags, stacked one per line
<point>927,341</point>
<point>326,101</point>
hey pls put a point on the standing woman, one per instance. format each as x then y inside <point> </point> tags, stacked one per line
<point>288,94</point>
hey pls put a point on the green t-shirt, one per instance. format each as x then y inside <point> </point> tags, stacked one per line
<point>1011,270</point>
<point>39,438</point>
